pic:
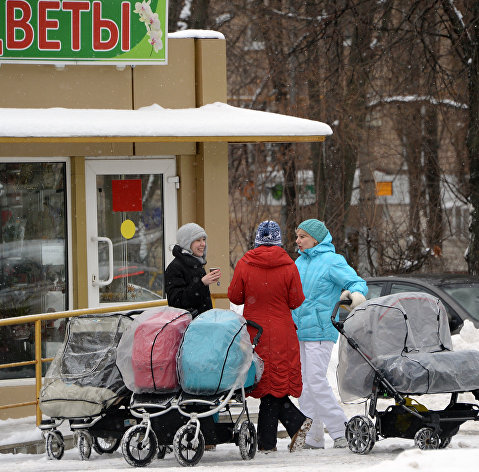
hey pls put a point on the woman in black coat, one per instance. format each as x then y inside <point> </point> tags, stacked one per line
<point>187,283</point>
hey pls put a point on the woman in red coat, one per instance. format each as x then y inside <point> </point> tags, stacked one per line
<point>267,282</point>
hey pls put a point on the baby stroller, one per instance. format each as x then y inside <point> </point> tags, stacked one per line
<point>83,385</point>
<point>147,361</point>
<point>215,364</point>
<point>400,345</point>
<point>215,376</point>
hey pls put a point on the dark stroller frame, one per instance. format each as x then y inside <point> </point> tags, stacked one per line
<point>181,429</point>
<point>429,429</point>
<point>102,432</point>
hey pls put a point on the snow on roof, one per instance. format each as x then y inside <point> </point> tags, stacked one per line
<point>197,33</point>
<point>213,122</point>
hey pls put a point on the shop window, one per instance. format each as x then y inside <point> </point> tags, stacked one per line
<point>33,261</point>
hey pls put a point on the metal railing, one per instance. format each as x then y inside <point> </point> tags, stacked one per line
<point>37,321</point>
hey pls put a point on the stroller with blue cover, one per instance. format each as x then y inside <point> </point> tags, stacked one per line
<point>84,387</point>
<point>216,365</point>
<point>396,346</point>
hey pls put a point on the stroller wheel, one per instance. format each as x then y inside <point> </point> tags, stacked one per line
<point>426,438</point>
<point>247,440</point>
<point>139,450</point>
<point>84,442</point>
<point>105,445</point>
<point>54,445</point>
<point>188,452</point>
<point>360,434</point>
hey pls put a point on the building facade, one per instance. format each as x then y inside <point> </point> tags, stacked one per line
<point>84,224</point>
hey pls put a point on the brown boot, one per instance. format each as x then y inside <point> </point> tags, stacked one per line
<point>299,439</point>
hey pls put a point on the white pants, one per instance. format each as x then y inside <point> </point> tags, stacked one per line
<point>317,400</point>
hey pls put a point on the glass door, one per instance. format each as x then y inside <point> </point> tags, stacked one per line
<point>131,226</point>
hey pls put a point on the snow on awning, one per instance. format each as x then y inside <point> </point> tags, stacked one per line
<point>214,122</point>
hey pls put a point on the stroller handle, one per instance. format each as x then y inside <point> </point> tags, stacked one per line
<point>339,324</point>
<point>258,334</point>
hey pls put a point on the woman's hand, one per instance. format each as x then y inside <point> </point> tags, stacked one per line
<point>211,277</point>
<point>356,298</point>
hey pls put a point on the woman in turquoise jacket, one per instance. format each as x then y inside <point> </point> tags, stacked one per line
<point>326,278</point>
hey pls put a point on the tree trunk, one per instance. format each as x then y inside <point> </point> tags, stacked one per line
<point>464,36</point>
<point>432,176</point>
<point>288,223</point>
<point>473,151</point>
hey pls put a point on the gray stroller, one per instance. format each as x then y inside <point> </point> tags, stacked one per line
<point>396,346</point>
<point>84,387</point>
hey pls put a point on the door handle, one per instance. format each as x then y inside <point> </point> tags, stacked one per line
<point>101,283</point>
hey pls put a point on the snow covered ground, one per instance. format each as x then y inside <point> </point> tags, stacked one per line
<point>392,454</point>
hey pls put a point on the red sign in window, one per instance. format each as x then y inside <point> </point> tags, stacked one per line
<point>126,195</point>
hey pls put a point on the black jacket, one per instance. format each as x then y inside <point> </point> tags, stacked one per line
<point>184,288</point>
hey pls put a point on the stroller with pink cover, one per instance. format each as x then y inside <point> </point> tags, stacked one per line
<point>396,346</point>
<point>146,358</point>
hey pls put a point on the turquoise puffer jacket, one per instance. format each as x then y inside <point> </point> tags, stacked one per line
<point>324,274</point>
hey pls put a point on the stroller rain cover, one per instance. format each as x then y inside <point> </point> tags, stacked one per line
<point>83,379</point>
<point>216,353</point>
<point>147,351</point>
<point>406,337</point>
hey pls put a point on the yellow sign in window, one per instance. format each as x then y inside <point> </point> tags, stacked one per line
<point>384,189</point>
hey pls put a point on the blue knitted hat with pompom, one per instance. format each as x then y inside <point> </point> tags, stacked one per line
<point>268,234</point>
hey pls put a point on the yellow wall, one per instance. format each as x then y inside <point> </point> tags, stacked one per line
<point>17,394</point>
<point>212,168</point>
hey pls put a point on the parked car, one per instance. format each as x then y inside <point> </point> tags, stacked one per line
<point>458,293</point>
<point>136,293</point>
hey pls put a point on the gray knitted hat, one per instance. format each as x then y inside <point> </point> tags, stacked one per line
<point>187,234</point>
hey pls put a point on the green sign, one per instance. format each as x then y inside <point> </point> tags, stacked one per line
<point>83,31</point>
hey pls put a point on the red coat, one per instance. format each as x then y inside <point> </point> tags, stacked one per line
<point>267,281</point>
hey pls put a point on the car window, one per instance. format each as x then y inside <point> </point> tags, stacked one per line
<point>374,290</point>
<point>466,295</point>
<point>404,287</point>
